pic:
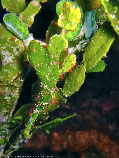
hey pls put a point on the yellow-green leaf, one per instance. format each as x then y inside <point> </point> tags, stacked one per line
<point>112,9</point>
<point>99,45</point>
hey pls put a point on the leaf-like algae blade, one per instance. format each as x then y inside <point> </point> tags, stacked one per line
<point>99,67</point>
<point>74,81</point>
<point>14,6</point>
<point>98,46</point>
<point>16,26</point>
<point>112,10</point>
<point>12,55</point>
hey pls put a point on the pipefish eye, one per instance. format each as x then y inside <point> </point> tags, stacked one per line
<point>16,26</point>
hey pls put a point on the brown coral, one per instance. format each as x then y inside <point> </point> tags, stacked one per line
<point>78,141</point>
